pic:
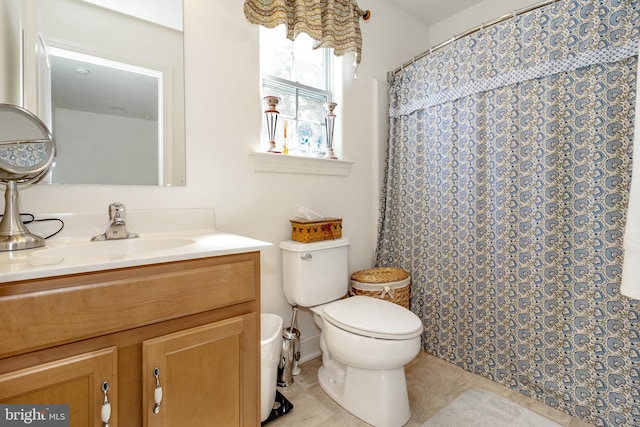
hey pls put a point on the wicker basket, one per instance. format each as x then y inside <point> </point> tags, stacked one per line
<point>307,231</point>
<point>388,283</point>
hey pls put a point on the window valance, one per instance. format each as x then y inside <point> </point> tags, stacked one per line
<point>331,23</point>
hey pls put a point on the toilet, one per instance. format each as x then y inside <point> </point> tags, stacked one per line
<point>365,341</point>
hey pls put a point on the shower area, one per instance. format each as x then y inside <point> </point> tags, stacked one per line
<point>505,196</point>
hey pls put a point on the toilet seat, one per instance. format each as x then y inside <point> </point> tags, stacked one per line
<point>373,317</point>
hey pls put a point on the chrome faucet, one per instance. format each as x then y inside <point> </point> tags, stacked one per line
<point>117,228</point>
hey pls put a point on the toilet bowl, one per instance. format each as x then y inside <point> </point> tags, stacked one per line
<point>365,341</point>
<point>365,344</point>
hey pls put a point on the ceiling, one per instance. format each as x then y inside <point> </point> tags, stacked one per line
<point>432,11</point>
<point>104,88</point>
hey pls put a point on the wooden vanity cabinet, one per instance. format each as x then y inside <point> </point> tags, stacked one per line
<point>76,381</point>
<point>205,360</point>
<point>196,321</point>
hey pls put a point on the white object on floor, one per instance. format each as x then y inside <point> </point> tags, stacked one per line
<point>270,350</point>
<point>483,408</point>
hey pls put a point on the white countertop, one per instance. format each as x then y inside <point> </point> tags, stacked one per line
<point>67,255</point>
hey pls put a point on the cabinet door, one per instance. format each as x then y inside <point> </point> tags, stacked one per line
<point>208,375</point>
<point>76,381</point>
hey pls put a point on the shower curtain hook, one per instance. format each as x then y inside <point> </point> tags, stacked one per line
<point>515,13</point>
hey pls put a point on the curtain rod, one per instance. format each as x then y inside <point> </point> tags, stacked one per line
<point>473,30</point>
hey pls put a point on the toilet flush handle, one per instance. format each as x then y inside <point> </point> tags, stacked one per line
<point>306,257</point>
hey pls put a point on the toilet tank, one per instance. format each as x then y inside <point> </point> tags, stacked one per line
<point>315,273</point>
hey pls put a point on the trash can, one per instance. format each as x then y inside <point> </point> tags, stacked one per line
<point>270,350</point>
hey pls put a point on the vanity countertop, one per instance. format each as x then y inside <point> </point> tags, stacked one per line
<point>62,256</point>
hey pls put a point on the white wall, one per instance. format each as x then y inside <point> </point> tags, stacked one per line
<point>10,70</point>
<point>160,12</point>
<point>223,112</point>
<point>471,17</point>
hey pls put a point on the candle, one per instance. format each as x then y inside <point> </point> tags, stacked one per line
<point>285,128</point>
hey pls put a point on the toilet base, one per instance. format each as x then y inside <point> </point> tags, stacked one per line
<point>378,397</point>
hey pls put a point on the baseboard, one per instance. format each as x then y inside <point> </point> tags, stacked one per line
<point>310,347</point>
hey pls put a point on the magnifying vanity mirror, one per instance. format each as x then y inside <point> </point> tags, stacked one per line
<point>107,77</point>
<point>26,154</point>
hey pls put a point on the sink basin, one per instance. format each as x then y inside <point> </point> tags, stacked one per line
<point>113,249</point>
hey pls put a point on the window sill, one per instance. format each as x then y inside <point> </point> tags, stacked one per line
<point>286,163</point>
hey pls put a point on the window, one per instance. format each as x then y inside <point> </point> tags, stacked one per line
<point>301,76</point>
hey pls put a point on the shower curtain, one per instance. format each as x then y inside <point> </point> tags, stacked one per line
<point>505,195</point>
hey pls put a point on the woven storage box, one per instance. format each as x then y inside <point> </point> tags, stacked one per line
<point>307,231</point>
<point>388,283</point>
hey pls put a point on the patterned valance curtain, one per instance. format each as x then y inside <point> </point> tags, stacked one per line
<point>331,23</point>
<point>505,196</point>
<point>546,42</point>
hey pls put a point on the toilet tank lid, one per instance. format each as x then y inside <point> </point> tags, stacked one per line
<point>293,246</point>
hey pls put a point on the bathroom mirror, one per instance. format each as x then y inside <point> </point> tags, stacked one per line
<point>107,77</point>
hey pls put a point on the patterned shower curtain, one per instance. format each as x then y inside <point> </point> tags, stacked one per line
<point>505,193</point>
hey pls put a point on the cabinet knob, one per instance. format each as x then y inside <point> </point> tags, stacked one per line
<point>157,392</point>
<point>106,406</point>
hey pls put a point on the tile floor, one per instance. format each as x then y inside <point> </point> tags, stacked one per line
<point>432,383</point>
